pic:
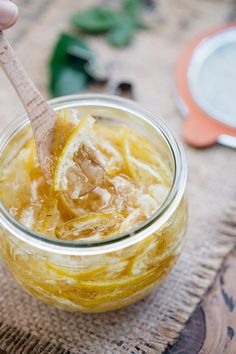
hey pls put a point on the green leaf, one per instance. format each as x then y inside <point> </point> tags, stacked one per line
<point>96,19</point>
<point>69,81</point>
<point>122,35</point>
<point>69,52</point>
<point>65,44</point>
<point>132,8</point>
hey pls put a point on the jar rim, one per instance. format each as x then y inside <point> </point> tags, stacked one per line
<point>135,234</point>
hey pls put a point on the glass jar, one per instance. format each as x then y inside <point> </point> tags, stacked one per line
<point>107,274</point>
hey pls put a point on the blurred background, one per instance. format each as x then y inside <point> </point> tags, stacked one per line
<point>139,60</point>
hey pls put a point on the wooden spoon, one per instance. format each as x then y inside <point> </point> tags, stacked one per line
<point>42,116</point>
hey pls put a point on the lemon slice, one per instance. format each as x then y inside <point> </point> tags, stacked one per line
<point>50,217</point>
<point>137,169</point>
<point>122,285</point>
<point>78,169</point>
<point>113,134</point>
<point>90,226</point>
<point>77,274</point>
<point>95,273</point>
<point>158,192</point>
<point>141,155</point>
<point>96,201</point>
<point>72,208</point>
<point>114,164</point>
<point>64,128</point>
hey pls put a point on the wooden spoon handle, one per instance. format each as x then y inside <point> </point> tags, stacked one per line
<point>41,115</point>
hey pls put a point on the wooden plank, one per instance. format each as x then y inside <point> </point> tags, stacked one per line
<point>212,327</point>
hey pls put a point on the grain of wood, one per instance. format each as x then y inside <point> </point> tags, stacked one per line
<point>212,327</point>
<point>220,312</point>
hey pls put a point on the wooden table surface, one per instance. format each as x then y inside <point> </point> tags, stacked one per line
<point>212,327</point>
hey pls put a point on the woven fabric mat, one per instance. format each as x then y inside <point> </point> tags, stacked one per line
<point>29,326</point>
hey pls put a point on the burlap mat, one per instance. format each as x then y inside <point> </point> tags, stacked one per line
<point>27,325</point>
